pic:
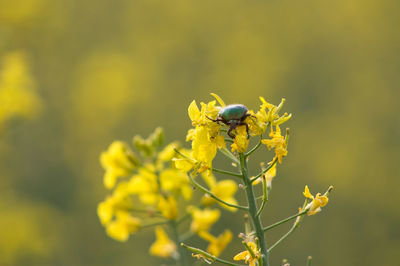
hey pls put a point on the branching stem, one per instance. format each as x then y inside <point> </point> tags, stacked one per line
<point>206,191</point>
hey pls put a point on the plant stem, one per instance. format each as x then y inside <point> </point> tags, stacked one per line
<point>309,259</point>
<point>284,221</point>
<point>265,196</point>
<point>256,220</point>
<point>208,255</point>
<point>295,225</point>
<point>228,154</point>
<point>265,170</point>
<point>181,251</point>
<point>226,172</point>
<point>153,224</point>
<point>254,148</point>
<point>206,191</point>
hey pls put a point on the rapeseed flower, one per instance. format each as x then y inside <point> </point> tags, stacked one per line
<point>118,161</point>
<point>163,246</point>
<point>168,207</point>
<point>224,190</point>
<point>217,244</point>
<point>123,226</point>
<point>241,141</point>
<point>316,202</point>
<point>18,97</point>
<point>175,181</point>
<point>202,220</point>
<point>277,142</point>
<point>249,257</point>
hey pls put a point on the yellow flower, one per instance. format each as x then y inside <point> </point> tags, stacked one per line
<point>217,244</point>
<point>317,202</point>
<point>144,184</point>
<point>168,207</point>
<point>241,141</point>
<point>269,175</point>
<point>203,219</point>
<point>17,89</point>
<point>257,122</point>
<point>168,152</point>
<point>176,182</point>
<point>205,136</point>
<point>224,190</point>
<point>118,161</point>
<point>118,201</point>
<point>278,142</point>
<point>105,211</point>
<point>163,246</point>
<point>123,226</point>
<point>246,255</point>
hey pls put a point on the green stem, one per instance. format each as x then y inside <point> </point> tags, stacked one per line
<point>206,191</point>
<point>181,251</point>
<point>309,259</point>
<point>226,172</point>
<point>229,140</point>
<point>153,224</point>
<point>254,148</point>
<point>265,197</point>
<point>284,237</point>
<point>208,255</point>
<point>253,210</point>
<point>284,221</point>
<point>228,154</point>
<point>264,171</point>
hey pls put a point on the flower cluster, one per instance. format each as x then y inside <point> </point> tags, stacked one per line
<point>207,135</point>
<point>147,189</point>
<point>155,187</point>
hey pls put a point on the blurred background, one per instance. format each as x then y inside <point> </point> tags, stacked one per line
<point>76,75</point>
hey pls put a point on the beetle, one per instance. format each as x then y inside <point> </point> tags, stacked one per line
<point>233,115</point>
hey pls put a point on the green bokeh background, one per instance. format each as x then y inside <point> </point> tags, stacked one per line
<point>108,70</point>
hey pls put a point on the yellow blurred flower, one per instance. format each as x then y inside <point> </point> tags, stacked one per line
<point>163,246</point>
<point>144,184</point>
<point>317,202</point>
<point>224,190</point>
<point>217,244</point>
<point>203,219</point>
<point>17,95</point>
<point>168,152</point>
<point>277,142</point>
<point>168,207</point>
<point>177,182</point>
<point>105,211</point>
<point>118,161</point>
<point>123,226</point>
<point>241,141</point>
<point>246,255</point>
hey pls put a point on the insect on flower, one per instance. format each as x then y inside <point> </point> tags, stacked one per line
<point>233,115</point>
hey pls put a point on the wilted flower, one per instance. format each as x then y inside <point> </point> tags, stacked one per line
<point>316,202</point>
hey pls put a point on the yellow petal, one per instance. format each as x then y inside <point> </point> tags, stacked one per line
<point>221,102</point>
<point>194,112</point>
<point>307,193</point>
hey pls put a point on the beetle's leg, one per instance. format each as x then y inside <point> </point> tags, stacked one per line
<point>216,120</point>
<point>232,126</point>
<point>247,128</point>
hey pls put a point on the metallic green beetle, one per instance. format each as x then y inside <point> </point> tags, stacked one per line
<point>233,115</point>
